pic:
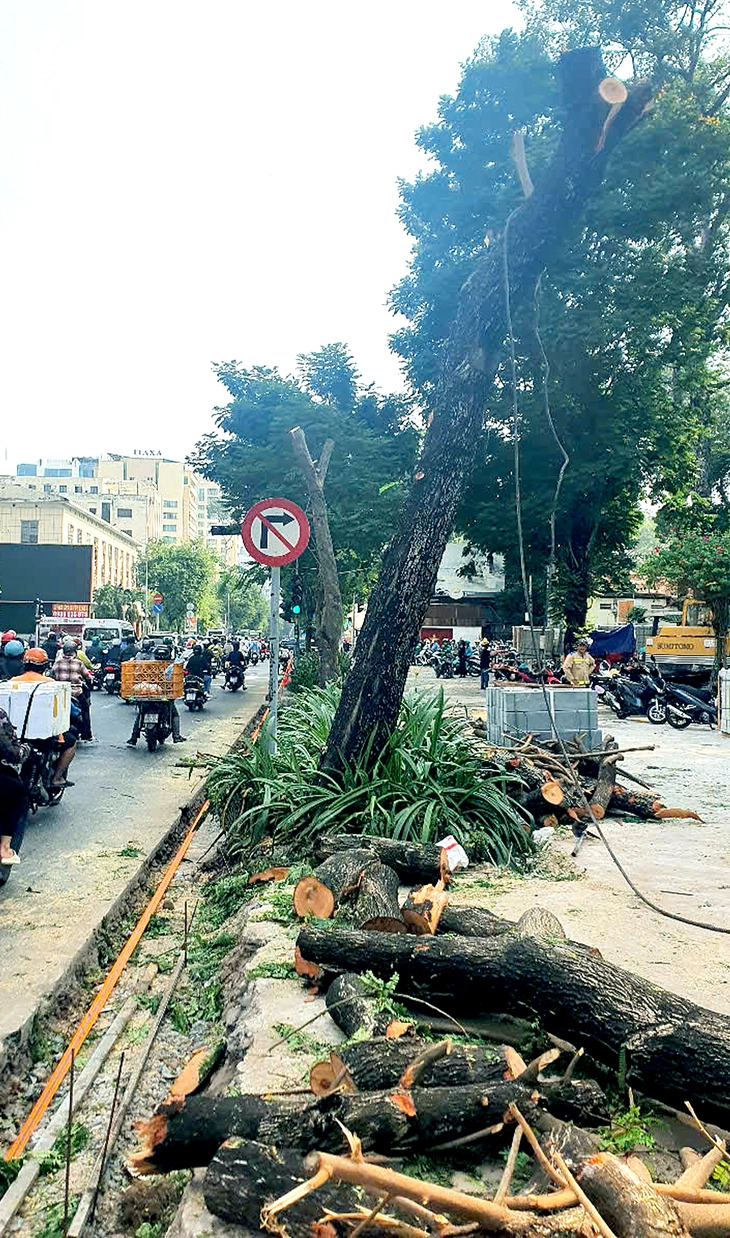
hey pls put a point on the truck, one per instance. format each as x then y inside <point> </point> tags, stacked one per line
<point>686,650</point>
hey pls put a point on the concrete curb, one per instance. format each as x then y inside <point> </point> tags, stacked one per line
<point>15,1047</point>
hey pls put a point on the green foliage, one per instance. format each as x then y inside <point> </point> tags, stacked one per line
<point>382,992</point>
<point>523,1171</point>
<point>250,456</point>
<point>271,971</point>
<point>149,1229</point>
<point>700,563</point>
<point>55,1159</point>
<point>53,1217</point>
<point>720,1179</point>
<point>114,602</point>
<point>301,1042</point>
<point>131,851</point>
<point>223,897</point>
<point>428,780</point>
<point>632,315</point>
<point>427,1169</point>
<point>240,597</point>
<point>184,573</point>
<point>9,1171</point>
<point>304,672</point>
<point>629,1129</point>
<point>636,614</point>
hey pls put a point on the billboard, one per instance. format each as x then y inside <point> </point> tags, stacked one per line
<point>51,573</point>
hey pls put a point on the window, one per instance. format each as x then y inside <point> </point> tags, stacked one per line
<point>46,489</point>
<point>62,489</point>
<point>78,490</point>
<point>79,536</point>
<point>29,532</point>
<point>124,513</point>
<point>93,489</point>
<point>169,528</point>
<point>169,502</point>
<point>92,510</point>
<point>70,534</point>
<point>128,532</point>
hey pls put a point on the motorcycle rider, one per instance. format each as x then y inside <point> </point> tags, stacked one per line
<point>96,653</point>
<point>236,658</point>
<point>52,644</point>
<point>36,664</point>
<point>14,801</point>
<point>198,665</point>
<point>148,653</point>
<point>129,651</point>
<point>69,669</point>
<point>11,660</point>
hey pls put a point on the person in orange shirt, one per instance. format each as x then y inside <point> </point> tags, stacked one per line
<point>36,662</point>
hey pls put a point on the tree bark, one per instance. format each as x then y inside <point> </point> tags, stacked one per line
<point>603,792</point>
<point>187,1134</point>
<point>667,1047</point>
<point>413,863</point>
<point>538,229</point>
<point>329,615</point>
<point>631,1207</point>
<point>472,922</point>
<point>376,906</point>
<point>354,1009</point>
<point>635,803</point>
<point>332,881</point>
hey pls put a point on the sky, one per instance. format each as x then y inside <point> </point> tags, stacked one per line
<point>183,183</point>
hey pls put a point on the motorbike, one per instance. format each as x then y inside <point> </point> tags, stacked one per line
<point>37,774</point>
<point>195,694</point>
<point>685,705</point>
<point>234,678</point>
<point>97,677</point>
<point>253,657</point>
<point>112,678</point>
<point>443,665</point>
<point>639,697</point>
<point>155,721</point>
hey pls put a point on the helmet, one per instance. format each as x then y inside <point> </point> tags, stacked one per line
<point>9,635</point>
<point>69,644</point>
<point>147,644</point>
<point>197,648</point>
<point>13,648</point>
<point>36,657</point>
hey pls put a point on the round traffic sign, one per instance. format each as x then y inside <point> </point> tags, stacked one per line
<point>157,599</point>
<point>275,532</point>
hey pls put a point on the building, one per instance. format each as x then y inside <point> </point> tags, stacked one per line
<point>212,510</point>
<point>609,610</point>
<point>49,520</point>
<point>176,484</point>
<point>462,607</point>
<point>131,507</point>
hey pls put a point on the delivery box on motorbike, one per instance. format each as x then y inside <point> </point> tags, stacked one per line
<point>38,709</point>
<point>148,681</point>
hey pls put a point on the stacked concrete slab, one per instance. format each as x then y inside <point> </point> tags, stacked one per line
<point>516,710</point>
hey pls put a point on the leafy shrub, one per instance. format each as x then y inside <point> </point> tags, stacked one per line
<point>304,672</point>
<point>427,781</point>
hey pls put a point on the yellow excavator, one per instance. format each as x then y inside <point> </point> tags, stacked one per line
<point>686,651</point>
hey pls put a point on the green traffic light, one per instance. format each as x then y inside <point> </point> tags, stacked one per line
<point>296,610</point>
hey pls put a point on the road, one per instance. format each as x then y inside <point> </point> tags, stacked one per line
<point>79,855</point>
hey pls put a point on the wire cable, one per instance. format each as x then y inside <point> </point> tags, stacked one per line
<point>670,915</point>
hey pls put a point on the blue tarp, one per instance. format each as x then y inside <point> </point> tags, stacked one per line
<point>619,641</point>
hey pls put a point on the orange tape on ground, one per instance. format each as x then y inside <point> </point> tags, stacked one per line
<point>102,997</point>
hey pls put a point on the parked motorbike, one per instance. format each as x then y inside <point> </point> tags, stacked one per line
<point>155,721</point>
<point>443,665</point>
<point>234,678</point>
<point>112,678</point>
<point>641,696</point>
<point>686,705</point>
<point>195,694</point>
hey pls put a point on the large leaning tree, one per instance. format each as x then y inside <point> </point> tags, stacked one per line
<point>596,113</point>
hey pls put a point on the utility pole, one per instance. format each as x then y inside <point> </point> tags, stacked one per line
<point>274,658</point>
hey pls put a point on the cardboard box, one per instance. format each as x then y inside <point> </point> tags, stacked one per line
<point>45,703</point>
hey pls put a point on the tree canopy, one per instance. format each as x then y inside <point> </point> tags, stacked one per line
<point>182,574</point>
<point>250,454</point>
<point>698,563</point>
<point>631,317</point>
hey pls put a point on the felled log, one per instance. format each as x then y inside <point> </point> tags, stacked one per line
<point>376,906</point>
<point>375,1065</point>
<point>319,894</point>
<point>634,803</point>
<point>424,907</point>
<point>187,1133</point>
<point>670,1048</point>
<point>472,922</point>
<point>605,782</point>
<point>630,1206</point>
<point>414,864</point>
<point>354,1008</point>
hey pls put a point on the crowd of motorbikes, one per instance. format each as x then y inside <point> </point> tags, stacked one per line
<point>634,688</point>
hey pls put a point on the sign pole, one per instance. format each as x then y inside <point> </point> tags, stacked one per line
<point>274,658</point>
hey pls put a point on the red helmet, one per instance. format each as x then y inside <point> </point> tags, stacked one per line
<point>11,634</point>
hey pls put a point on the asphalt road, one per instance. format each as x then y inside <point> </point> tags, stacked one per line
<point>79,855</point>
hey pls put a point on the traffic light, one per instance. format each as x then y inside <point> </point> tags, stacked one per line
<point>296,595</point>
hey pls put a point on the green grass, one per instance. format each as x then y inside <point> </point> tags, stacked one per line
<point>56,1158</point>
<point>132,851</point>
<point>428,1170</point>
<point>52,1224</point>
<point>302,1042</point>
<point>271,971</point>
<point>629,1129</point>
<point>428,780</point>
<point>9,1171</point>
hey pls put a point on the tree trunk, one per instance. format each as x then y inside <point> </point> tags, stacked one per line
<point>377,906</point>
<point>329,613</point>
<point>332,881</point>
<point>472,922</point>
<point>424,907</point>
<point>188,1134</point>
<point>630,1207</point>
<point>354,1008</point>
<point>667,1047</point>
<point>413,863</point>
<point>603,792</point>
<point>635,803</point>
<point>721,627</point>
<point>538,229</point>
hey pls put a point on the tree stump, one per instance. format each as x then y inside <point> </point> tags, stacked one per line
<point>376,906</point>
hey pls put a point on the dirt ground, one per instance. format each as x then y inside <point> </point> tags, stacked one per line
<point>682,865</point>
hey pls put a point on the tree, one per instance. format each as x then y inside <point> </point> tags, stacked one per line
<point>374,441</point>
<point>636,614</point>
<point>241,600</point>
<point>700,563</point>
<point>537,231</point>
<point>632,311</point>
<point>115,602</point>
<point>182,574</point>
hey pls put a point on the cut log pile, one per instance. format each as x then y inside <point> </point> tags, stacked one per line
<point>322,1165</point>
<point>554,787</point>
